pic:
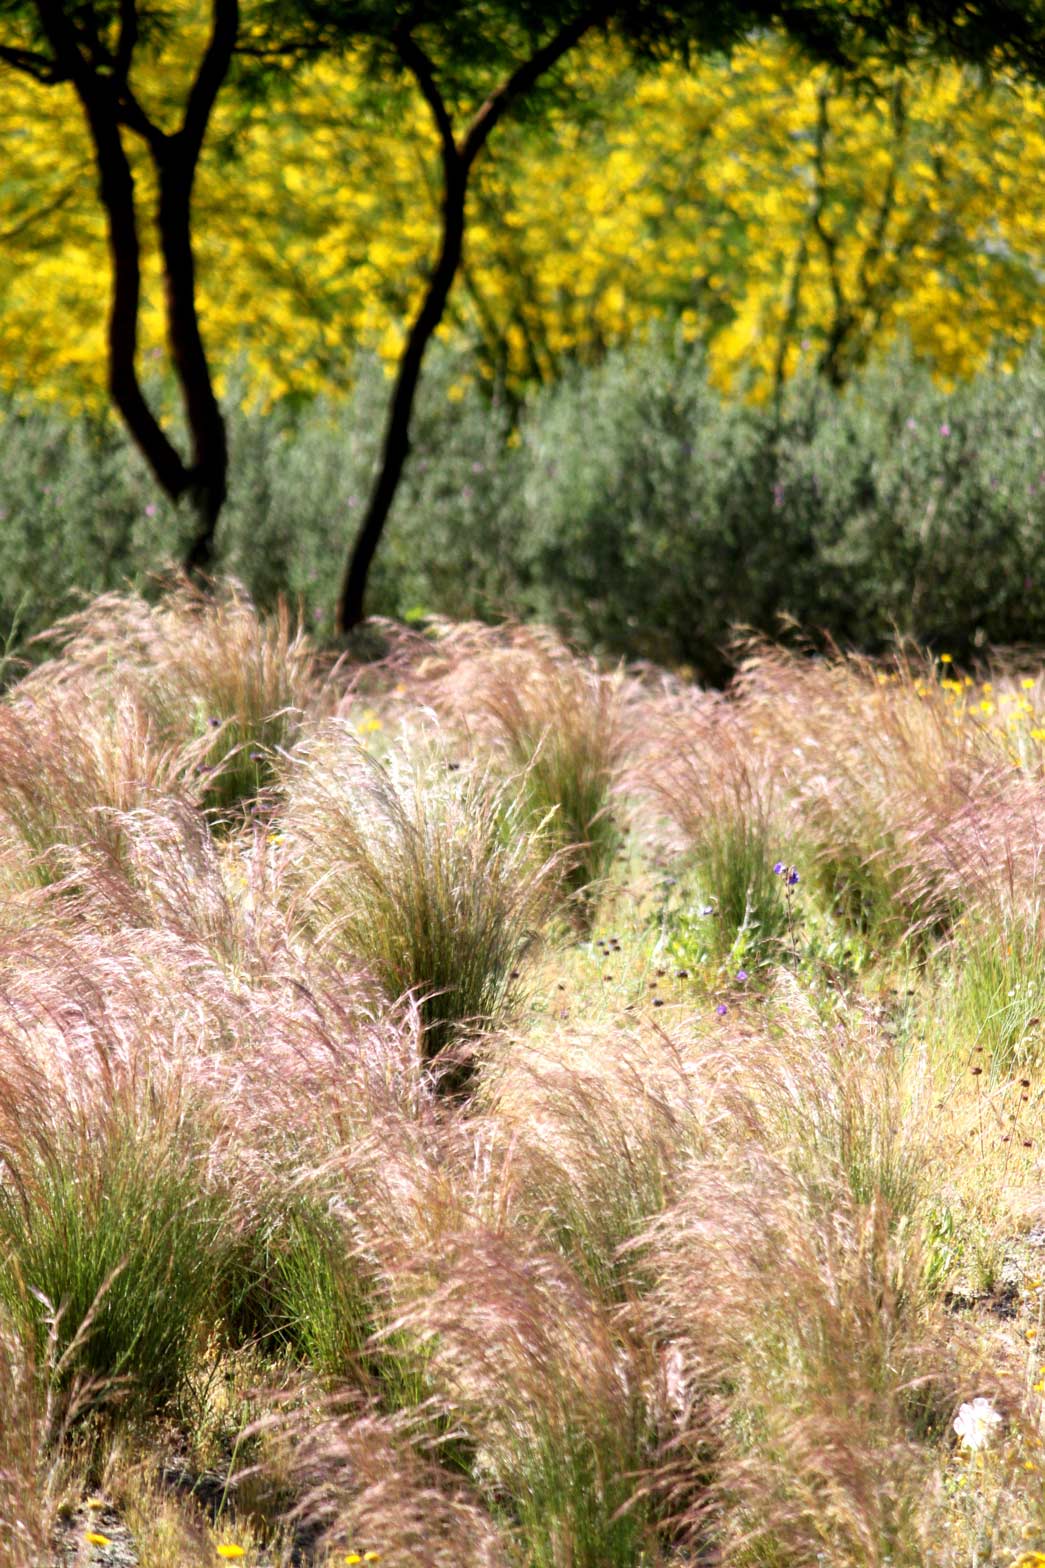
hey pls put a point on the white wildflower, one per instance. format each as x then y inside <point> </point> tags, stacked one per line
<point>975,1424</point>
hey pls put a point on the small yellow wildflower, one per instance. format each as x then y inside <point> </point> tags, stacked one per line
<point>1037,734</point>
<point>369,723</point>
<point>1030,1560</point>
<point>987,707</point>
<point>946,658</point>
<point>231,1551</point>
<point>1028,683</point>
<point>96,1539</point>
<point>987,687</point>
<point>97,1502</point>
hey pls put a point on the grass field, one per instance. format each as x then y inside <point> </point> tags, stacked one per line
<point>478,1108</point>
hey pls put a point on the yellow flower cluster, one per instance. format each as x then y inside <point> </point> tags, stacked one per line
<point>778,215</point>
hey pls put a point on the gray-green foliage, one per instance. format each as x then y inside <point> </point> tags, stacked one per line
<point>634,504</point>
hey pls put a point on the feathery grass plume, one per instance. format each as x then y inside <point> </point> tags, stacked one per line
<point>553,720</point>
<point>548,1394</point>
<point>598,1122</point>
<point>162,870</point>
<point>805,1370</point>
<point>39,1405</point>
<point>718,789</point>
<point>67,765</point>
<point>119,1199</point>
<point>875,763</point>
<point>369,1482</point>
<point>212,674</point>
<point>435,879</point>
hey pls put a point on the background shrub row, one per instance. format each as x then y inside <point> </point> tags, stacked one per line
<point>632,504</point>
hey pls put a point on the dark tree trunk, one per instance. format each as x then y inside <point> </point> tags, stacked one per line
<point>458,160</point>
<point>110,105</point>
<point>396,447</point>
<point>208,469</point>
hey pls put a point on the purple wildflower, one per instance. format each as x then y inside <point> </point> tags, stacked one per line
<point>945,429</point>
<point>779,869</point>
<point>741,974</point>
<point>722,1009</point>
<point>792,877</point>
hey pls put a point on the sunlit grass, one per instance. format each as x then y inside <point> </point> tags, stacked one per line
<point>735,1204</point>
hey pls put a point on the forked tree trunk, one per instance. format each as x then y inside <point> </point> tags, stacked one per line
<point>207,477</point>
<point>458,161</point>
<point>109,105</point>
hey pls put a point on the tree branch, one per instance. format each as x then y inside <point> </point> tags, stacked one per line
<point>420,66</point>
<point>213,70</point>
<point>31,63</point>
<point>525,77</point>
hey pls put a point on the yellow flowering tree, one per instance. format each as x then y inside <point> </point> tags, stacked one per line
<point>93,50</point>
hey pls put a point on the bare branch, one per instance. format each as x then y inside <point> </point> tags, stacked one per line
<point>525,77</point>
<point>419,64</point>
<point>31,63</point>
<point>213,70</point>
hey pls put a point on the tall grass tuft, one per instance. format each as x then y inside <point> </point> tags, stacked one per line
<point>212,674</point>
<point>717,789</point>
<point>877,769</point>
<point>369,1482</point>
<point>554,721</point>
<point>39,1406</point>
<point>68,767</point>
<point>300,1287</point>
<point>549,1395</point>
<point>433,878</point>
<point>805,1372</point>
<point>598,1124</point>
<point>106,1213</point>
<point>994,1004</point>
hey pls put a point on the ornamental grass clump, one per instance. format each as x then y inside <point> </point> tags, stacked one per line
<point>434,877</point>
<point>372,1488</point>
<point>529,1366</point>
<point>992,992</point>
<point>723,804</point>
<point>38,1408</point>
<point>551,719</point>
<point>875,767</point>
<point>215,677</point>
<point>110,1207</point>
<point>806,1367</point>
<point>68,767</point>
<point>109,1214</point>
<point>599,1123</point>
